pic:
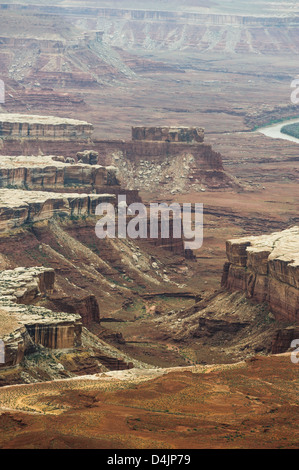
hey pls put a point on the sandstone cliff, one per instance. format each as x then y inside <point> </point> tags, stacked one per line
<point>142,164</point>
<point>181,30</point>
<point>49,173</point>
<point>266,268</point>
<point>42,127</point>
<point>168,134</point>
<point>23,326</point>
<point>18,207</point>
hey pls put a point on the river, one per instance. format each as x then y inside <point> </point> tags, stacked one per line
<point>274,130</point>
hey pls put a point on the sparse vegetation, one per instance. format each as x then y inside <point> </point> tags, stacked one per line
<point>291,129</point>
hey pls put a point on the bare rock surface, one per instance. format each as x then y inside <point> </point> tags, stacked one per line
<point>267,269</point>
<point>26,325</point>
<point>30,126</point>
<point>18,207</point>
<point>169,134</point>
<point>54,173</point>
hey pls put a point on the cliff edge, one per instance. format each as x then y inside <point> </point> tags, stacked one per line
<point>267,269</point>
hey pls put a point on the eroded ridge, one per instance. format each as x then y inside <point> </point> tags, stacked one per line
<point>56,173</point>
<point>267,269</point>
<point>23,325</point>
<point>18,207</point>
<point>169,134</point>
<point>27,126</point>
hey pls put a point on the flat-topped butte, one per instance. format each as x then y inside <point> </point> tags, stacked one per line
<point>16,285</point>
<point>278,245</point>
<point>24,326</point>
<point>169,134</point>
<point>267,268</point>
<point>31,161</point>
<point>18,198</point>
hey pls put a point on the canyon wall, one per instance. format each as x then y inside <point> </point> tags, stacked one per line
<point>168,134</point>
<point>200,32</point>
<point>123,28</point>
<point>42,127</point>
<point>142,164</point>
<point>25,326</point>
<point>150,14</point>
<point>168,167</point>
<point>49,173</point>
<point>267,269</point>
<point>19,207</point>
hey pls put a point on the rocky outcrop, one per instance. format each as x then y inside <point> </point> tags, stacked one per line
<point>86,305</point>
<point>169,134</point>
<point>175,245</point>
<point>115,363</point>
<point>170,159</point>
<point>18,207</point>
<point>283,339</point>
<point>52,173</point>
<point>24,326</point>
<point>88,156</point>
<point>42,127</point>
<point>267,269</point>
<point>168,166</point>
<point>150,165</point>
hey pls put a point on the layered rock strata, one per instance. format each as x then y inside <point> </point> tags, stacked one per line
<point>88,156</point>
<point>151,165</point>
<point>23,326</point>
<point>168,134</point>
<point>267,269</point>
<point>42,127</point>
<point>167,166</point>
<point>170,159</point>
<point>52,173</point>
<point>18,207</point>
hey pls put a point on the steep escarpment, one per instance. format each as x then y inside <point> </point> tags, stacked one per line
<point>177,30</point>
<point>49,53</point>
<point>225,327</point>
<point>256,311</point>
<point>57,233</point>
<point>19,207</point>
<point>171,167</point>
<point>162,159</point>
<point>172,159</point>
<point>24,326</point>
<point>173,30</point>
<point>52,173</point>
<point>168,134</point>
<point>41,343</point>
<point>13,126</point>
<point>266,268</point>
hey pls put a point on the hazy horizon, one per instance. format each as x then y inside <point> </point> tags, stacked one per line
<point>257,7</point>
